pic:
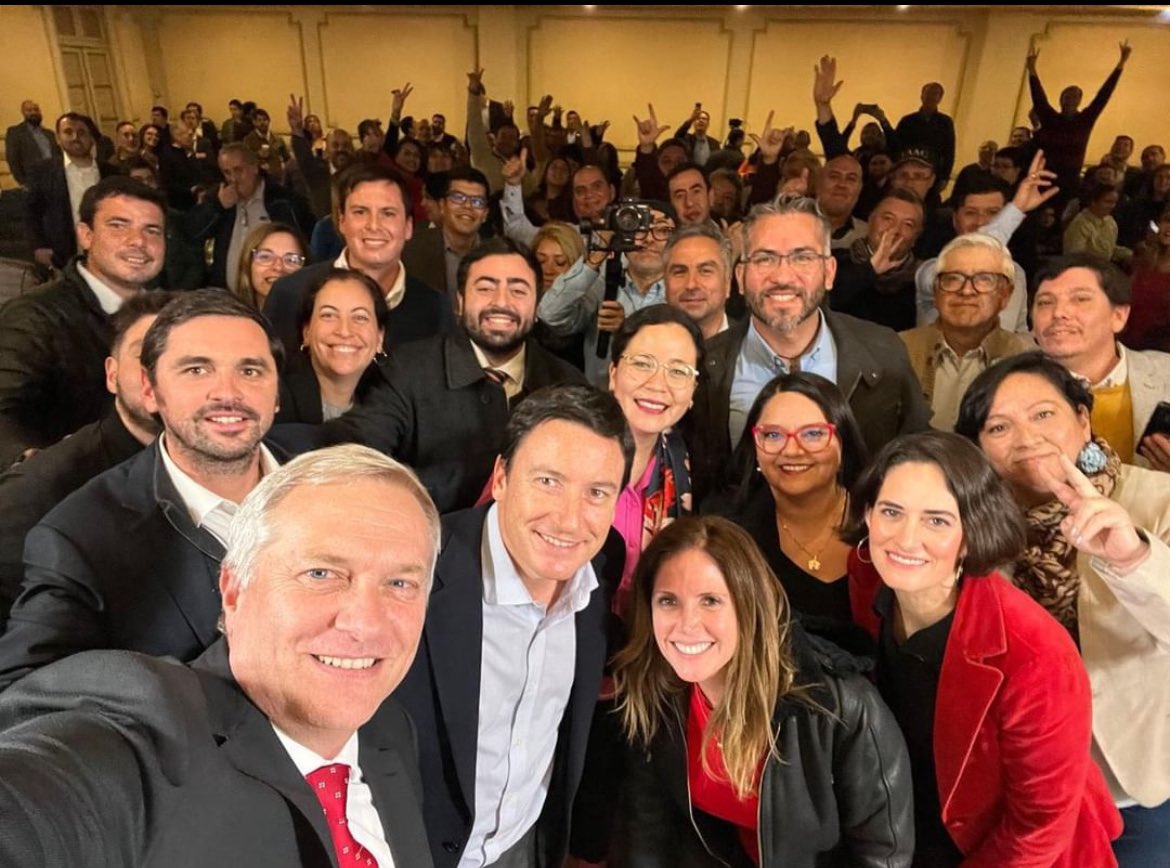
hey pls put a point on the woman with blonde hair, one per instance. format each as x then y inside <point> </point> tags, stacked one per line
<point>752,743</point>
<point>270,251</point>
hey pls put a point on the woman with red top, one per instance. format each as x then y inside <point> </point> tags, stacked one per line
<point>1148,327</point>
<point>752,743</point>
<point>987,687</point>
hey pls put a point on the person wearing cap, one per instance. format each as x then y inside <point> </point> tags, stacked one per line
<point>931,129</point>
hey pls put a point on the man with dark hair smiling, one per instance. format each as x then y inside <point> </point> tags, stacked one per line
<point>129,559</point>
<point>54,341</point>
<point>449,397</point>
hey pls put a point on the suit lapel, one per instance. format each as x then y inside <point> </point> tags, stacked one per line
<point>967,686</point>
<point>386,776</point>
<point>456,610</point>
<point>249,743</point>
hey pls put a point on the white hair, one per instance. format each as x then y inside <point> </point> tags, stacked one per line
<point>1006,267</point>
<point>251,527</point>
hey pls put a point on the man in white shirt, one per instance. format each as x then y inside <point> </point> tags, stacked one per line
<point>128,560</point>
<point>278,747</point>
<point>54,340</point>
<point>509,670</point>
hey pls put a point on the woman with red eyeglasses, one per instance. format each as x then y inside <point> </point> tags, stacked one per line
<point>800,452</point>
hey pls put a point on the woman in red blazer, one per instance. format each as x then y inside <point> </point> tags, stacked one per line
<point>989,689</point>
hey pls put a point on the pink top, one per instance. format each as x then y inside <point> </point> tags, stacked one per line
<point>629,521</point>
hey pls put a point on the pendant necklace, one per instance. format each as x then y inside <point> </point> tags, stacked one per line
<point>814,558</point>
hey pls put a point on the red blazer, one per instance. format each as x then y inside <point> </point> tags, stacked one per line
<point>1012,728</point>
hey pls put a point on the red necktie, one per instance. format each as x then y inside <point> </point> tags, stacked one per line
<point>330,785</point>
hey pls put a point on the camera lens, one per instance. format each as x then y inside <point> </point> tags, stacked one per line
<point>627,219</point>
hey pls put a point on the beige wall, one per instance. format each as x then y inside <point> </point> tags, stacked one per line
<point>609,62</point>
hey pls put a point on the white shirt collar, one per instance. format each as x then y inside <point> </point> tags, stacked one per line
<point>70,164</point>
<point>199,500</point>
<point>308,761</point>
<point>397,291</point>
<point>109,300</point>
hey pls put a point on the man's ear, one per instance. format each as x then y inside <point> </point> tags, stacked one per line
<point>499,479</point>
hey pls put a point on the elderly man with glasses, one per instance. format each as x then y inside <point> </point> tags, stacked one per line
<point>972,286</point>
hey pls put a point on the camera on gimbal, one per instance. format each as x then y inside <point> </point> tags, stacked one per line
<point>625,219</point>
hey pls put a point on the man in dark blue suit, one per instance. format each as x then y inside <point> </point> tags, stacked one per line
<point>278,747</point>
<point>374,208</point>
<point>130,559</point>
<point>508,672</point>
<point>27,143</point>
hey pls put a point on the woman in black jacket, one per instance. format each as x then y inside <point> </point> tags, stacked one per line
<point>753,743</point>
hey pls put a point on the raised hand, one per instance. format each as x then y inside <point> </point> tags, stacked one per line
<point>796,185</point>
<point>296,113</point>
<point>514,168</point>
<point>610,316</point>
<point>1095,524</point>
<point>544,107</point>
<point>475,81</point>
<point>825,84</point>
<point>1030,60</point>
<point>1156,450</point>
<point>399,96</point>
<point>882,259</point>
<point>1036,187</point>
<point>1126,50</point>
<point>770,141</point>
<point>649,130</point>
<point>509,108</point>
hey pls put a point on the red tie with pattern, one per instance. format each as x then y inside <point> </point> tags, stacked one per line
<point>330,784</point>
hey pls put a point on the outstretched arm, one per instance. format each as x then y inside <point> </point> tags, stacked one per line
<point>1099,102</point>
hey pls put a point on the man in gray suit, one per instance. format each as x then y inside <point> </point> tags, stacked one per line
<point>278,746</point>
<point>28,142</point>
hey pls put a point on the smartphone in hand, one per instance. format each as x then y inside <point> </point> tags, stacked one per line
<point>1159,421</point>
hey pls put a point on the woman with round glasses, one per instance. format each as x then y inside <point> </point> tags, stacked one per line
<point>1098,559</point>
<point>270,251</point>
<point>342,323</point>
<point>657,353</point>
<point>751,744</point>
<point>989,690</point>
<point>800,454</point>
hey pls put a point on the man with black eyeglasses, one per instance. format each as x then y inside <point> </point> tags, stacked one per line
<point>786,273</point>
<point>433,254</point>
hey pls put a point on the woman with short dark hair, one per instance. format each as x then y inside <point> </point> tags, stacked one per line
<point>989,691</point>
<point>1097,559</point>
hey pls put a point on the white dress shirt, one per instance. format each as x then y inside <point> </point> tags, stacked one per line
<point>397,291</point>
<point>79,179</point>
<point>360,814</point>
<point>109,300</point>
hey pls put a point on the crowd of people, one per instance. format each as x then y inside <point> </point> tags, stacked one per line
<point>402,498</point>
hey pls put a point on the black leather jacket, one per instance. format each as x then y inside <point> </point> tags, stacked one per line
<point>840,796</point>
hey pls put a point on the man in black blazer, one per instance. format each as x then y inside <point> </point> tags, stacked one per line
<point>789,327</point>
<point>245,199</point>
<point>433,254</point>
<point>374,207</point>
<point>30,489</point>
<point>27,143</point>
<point>447,407</point>
<point>130,559</point>
<point>278,746</point>
<point>508,672</point>
<point>54,340</point>
<point>50,206</point>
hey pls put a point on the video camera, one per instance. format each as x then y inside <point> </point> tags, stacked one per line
<point>625,219</point>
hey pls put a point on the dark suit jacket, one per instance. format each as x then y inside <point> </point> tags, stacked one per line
<point>422,313</point>
<point>118,564</point>
<point>443,416</point>
<point>49,214</point>
<point>425,257</point>
<point>31,489</point>
<point>172,766</point>
<point>441,692</point>
<point>873,373</point>
<point>300,391</point>
<point>211,220</point>
<point>53,346</point>
<point>315,172</point>
<point>22,152</point>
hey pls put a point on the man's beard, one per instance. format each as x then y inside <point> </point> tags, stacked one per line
<point>785,323</point>
<point>495,343</point>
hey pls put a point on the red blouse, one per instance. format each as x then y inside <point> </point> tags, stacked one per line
<point>715,795</point>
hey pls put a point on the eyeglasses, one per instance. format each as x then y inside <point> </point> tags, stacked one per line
<point>457,198</point>
<point>771,439</point>
<point>645,366</point>
<point>983,281</point>
<point>802,261</point>
<point>659,231</point>
<point>267,257</point>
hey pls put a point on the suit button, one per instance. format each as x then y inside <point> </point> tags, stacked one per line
<point>450,847</point>
<point>484,398</point>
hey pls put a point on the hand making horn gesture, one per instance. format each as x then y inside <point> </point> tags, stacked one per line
<point>649,130</point>
<point>1036,187</point>
<point>1095,524</point>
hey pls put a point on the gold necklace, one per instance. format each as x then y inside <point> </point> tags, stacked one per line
<point>814,558</point>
